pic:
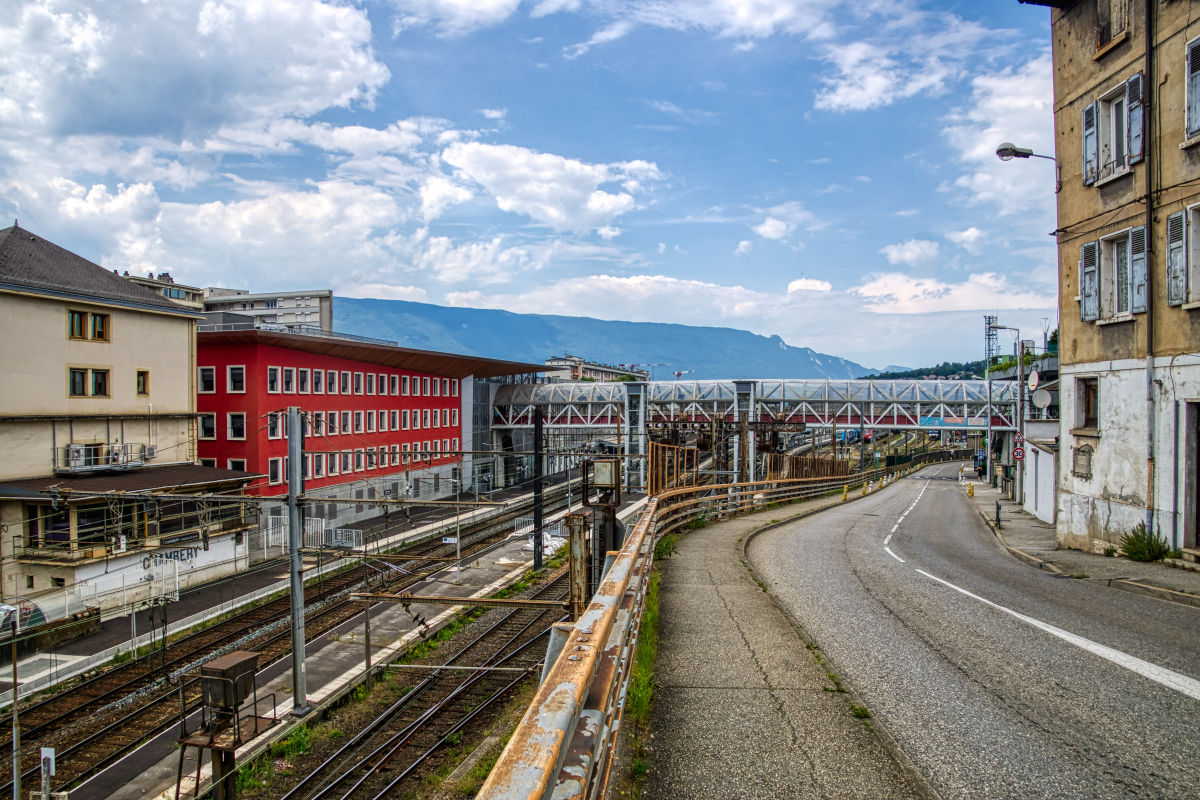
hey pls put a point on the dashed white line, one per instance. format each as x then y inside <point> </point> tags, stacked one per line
<point>888,539</point>
<point>1169,678</point>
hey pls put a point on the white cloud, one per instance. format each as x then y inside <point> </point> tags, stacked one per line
<point>662,247</point>
<point>561,193</point>
<point>609,34</point>
<point>494,113</point>
<point>809,285</point>
<point>744,247</point>
<point>784,218</point>
<point>438,194</point>
<point>914,252</point>
<point>771,228</point>
<point>609,232</point>
<point>970,240</point>
<point>384,291</point>
<point>452,17</point>
<point>896,293</point>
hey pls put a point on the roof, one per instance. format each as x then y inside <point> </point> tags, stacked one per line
<point>30,263</point>
<point>242,298</point>
<point>172,477</point>
<point>451,365</point>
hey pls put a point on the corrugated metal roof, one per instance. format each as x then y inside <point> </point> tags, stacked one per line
<point>30,262</point>
<point>148,479</point>
<point>449,365</point>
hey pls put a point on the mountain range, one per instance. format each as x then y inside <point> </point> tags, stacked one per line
<point>707,353</point>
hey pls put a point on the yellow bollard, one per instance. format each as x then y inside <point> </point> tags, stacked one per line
<point>844,490</point>
<point>970,490</point>
<point>864,490</point>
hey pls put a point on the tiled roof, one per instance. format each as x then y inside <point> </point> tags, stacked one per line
<point>29,261</point>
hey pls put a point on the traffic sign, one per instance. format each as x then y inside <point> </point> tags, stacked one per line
<point>449,540</point>
<point>1018,438</point>
<point>1018,453</point>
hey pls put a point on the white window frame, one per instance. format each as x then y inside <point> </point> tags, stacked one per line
<point>404,386</point>
<point>425,447</point>
<point>274,471</point>
<point>358,383</point>
<point>425,418</point>
<point>273,376</point>
<point>369,382</point>
<point>200,380</point>
<point>445,387</point>
<point>303,381</point>
<point>454,442</point>
<point>229,426</point>
<point>437,388</point>
<point>332,464</point>
<point>347,461</point>
<point>284,385</point>
<point>393,385</point>
<point>204,462</point>
<point>318,386</point>
<point>437,418</point>
<point>346,384</point>
<point>454,417</point>
<point>360,459</point>
<point>346,422</point>
<point>372,458</point>
<point>404,419</point>
<point>275,423</point>
<point>370,421</point>
<point>229,464</point>
<point>332,428</point>
<point>200,428</point>
<point>404,453</point>
<point>1110,247</point>
<point>358,422</point>
<point>381,384</point>
<point>229,379</point>
<point>1109,136</point>
<point>318,465</point>
<point>395,455</point>
<point>424,387</point>
<point>454,387</point>
<point>394,419</point>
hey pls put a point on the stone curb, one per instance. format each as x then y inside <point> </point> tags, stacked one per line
<point>1124,584</point>
<point>915,778</point>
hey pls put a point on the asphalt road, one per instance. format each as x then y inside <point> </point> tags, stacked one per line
<point>997,680</point>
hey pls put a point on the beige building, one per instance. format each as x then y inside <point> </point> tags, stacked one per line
<point>187,296</point>
<point>291,310</point>
<point>98,395</point>
<point>1127,128</point>
<point>574,368</point>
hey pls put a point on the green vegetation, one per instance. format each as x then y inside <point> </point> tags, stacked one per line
<point>700,520</point>
<point>640,694</point>
<point>1143,545</point>
<point>945,369</point>
<point>860,712</point>
<point>1111,552</point>
<point>666,547</point>
<point>259,773</point>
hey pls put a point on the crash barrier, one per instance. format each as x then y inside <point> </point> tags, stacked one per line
<point>563,746</point>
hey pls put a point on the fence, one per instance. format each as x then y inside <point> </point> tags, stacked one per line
<point>118,594</point>
<point>271,538</point>
<point>563,747</point>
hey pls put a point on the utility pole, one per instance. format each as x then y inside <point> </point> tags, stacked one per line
<point>16,726</point>
<point>295,470</point>
<point>537,488</point>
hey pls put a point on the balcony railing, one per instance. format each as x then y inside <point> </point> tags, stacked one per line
<point>99,457</point>
<point>301,330</point>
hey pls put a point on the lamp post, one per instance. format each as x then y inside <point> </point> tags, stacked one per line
<point>1008,151</point>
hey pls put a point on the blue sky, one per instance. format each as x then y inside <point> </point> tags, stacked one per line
<point>816,169</point>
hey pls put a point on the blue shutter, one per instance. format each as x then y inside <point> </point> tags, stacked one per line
<point>1091,156</point>
<point>1193,88</point>
<point>1176,260</point>
<point>1134,114</point>
<point>1137,268</point>
<point>1089,284</point>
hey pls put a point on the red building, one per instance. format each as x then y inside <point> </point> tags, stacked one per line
<point>367,405</point>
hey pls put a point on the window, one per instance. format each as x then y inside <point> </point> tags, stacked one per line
<point>59,583</point>
<point>235,380</point>
<point>274,425</point>
<point>345,383</point>
<point>404,385</point>
<point>445,418</point>
<point>425,387</point>
<point>437,387</point>
<point>395,420</point>
<point>358,459</point>
<point>99,383</point>
<point>306,466</point>
<point>1192,121</point>
<point>370,383</point>
<point>404,420</point>
<point>358,422</point>
<point>395,455</point>
<point>1088,391</point>
<point>1183,257</point>
<point>237,426</point>
<point>77,382</point>
<point>425,447</point>
<point>454,417</point>
<point>331,382</point>
<point>425,418</point>
<point>454,387</point>
<point>273,380</point>
<point>333,464</point>
<point>404,450</point>
<point>345,422</point>
<point>454,445</point>
<point>208,380</point>
<point>1112,276</point>
<point>306,424</point>
<point>100,327</point>
<point>208,462</point>
<point>319,465</point>
<point>318,381</point>
<point>1112,19</point>
<point>372,459</point>
<point>382,383</point>
<point>437,418</point>
<point>238,464</point>
<point>331,424</point>
<point>289,380</point>
<point>208,426</point>
<point>393,384</point>
<point>370,422</point>
<point>445,387</point>
<point>346,463</point>
<point>28,581</point>
<point>275,471</point>
<point>358,383</point>
<point>1112,131</point>
<point>77,324</point>
<point>302,378</point>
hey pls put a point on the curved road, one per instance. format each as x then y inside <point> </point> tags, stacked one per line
<point>998,680</point>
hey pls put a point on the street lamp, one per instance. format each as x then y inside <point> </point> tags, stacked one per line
<point>1008,151</point>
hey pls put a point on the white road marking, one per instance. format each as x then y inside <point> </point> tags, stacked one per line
<point>889,538</point>
<point>893,555</point>
<point>1162,675</point>
<point>897,525</point>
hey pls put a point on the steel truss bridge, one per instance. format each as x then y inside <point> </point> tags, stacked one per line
<point>910,405</point>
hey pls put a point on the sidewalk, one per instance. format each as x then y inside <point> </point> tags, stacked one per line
<point>743,709</point>
<point>1025,534</point>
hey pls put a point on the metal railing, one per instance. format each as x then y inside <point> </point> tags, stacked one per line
<point>301,330</point>
<point>98,457</point>
<point>563,747</point>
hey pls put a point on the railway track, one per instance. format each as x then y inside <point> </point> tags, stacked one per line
<point>393,747</point>
<point>102,719</point>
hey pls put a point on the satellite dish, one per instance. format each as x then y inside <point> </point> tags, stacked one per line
<point>1033,380</point>
<point>1041,398</point>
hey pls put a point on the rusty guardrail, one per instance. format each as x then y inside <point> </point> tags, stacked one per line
<point>562,748</point>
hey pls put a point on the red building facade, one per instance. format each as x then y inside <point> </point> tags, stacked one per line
<point>367,407</point>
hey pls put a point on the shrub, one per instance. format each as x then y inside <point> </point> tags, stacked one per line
<point>1141,544</point>
<point>666,547</point>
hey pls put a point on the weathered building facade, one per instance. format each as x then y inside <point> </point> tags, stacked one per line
<point>1127,131</point>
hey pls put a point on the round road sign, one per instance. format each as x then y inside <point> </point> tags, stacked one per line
<point>1018,453</point>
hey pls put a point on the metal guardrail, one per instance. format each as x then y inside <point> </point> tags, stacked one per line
<point>99,457</point>
<point>563,746</point>
<point>301,330</point>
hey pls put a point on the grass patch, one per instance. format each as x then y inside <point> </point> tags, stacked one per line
<point>666,547</point>
<point>1143,545</point>
<point>639,698</point>
<point>859,712</point>
<point>1110,552</point>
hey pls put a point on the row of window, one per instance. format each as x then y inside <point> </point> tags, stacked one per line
<point>322,465</point>
<point>88,326</point>
<point>294,380</point>
<point>233,463</point>
<point>333,423</point>
<point>88,382</point>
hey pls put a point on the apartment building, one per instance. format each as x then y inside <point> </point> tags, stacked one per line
<point>380,420</point>
<point>574,368</point>
<point>187,296</point>
<point>1127,128</point>
<point>294,310</point>
<point>98,398</point>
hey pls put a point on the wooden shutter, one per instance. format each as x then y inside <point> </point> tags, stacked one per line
<point>1089,288</point>
<point>1176,260</point>
<point>1134,115</point>
<point>1137,269</point>
<point>1193,88</point>
<point>1091,155</point>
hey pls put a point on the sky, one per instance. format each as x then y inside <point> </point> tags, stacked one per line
<point>816,169</point>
